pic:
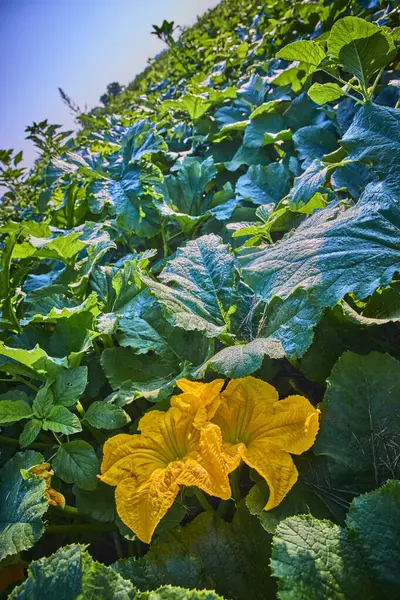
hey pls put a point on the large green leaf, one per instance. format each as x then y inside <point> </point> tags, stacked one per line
<point>143,375</point>
<point>332,253</point>
<point>360,420</point>
<point>243,359</point>
<point>231,558</point>
<point>360,47</point>
<point>22,505</point>
<point>169,592</point>
<point>72,574</point>
<point>184,194</point>
<point>314,560</point>
<point>264,185</point>
<point>374,137</point>
<point>203,290</point>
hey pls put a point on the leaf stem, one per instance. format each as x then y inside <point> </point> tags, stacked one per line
<point>377,78</point>
<point>203,500</point>
<point>164,239</point>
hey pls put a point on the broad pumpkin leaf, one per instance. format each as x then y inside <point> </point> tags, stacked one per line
<point>22,505</point>
<point>360,418</point>
<point>312,258</point>
<point>315,559</point>
<point>360,47</point>
<point>143,375</point>
<point>184,193</point>
<point>305,51</point>
<point>169,592</point>
<point>264,185</point>
<point>71,574</point>
<point>374,137</point>
<point>203,286</point>
<point>243,359</point>
<point>140,139</point>
<point>208,553</point>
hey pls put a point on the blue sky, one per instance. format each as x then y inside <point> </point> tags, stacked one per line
<point>78,45</point>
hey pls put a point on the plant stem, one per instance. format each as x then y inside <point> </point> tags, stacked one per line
<point>117,544</point>
<point>70,510</point>
<point>235,484</point>
<point>14,442</point>
<point>80,528</point>
<point>164,240</point>
<point>376,82</point>
<point>203,500</point>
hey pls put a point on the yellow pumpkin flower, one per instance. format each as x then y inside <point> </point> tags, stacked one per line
<point>174,448</point>
<point>263,431</point>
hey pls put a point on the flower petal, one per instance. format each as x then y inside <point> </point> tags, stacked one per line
<point>206,468</point>
<point>132,455</point>
<point>245,404</point>
<point>141,507</point>
<point>200,399</point>
<point>275,466</point>
<point>292,425</point>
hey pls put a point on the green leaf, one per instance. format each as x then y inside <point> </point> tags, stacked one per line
<point>141,139</point>
<point>361,418</point>
<point>242,360</point>
<point>184,194</point>
<point>308,183</point>
<point>36,359</point>
<point>64,248</point>
<point>146,375</point>
<point>76,462</point>
<point>61,420</point>
<point>44,401</point>
<point>145,329</point>
<point>169,592</point>
<point>326,92</point>
<point>312,258</point>
<point>194,105</point>
<point>30,432</point>
<point>374,137</point>
<point>69,386</point>
<point>362,48</point>
<point>22,505</point>
<point>311,142</point>
<point>14,410</point>
<point>264,185</point>
<point>316,559</point>
<point>203,286</point>
<point>98,503</point>
<point>71,574</point>
<point>265,129</point>
<point>102,415</point>
<point>307,52</point>
<point>49,310</point>
<point>231,558</point>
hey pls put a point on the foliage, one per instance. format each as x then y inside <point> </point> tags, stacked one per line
<point>232,213</point>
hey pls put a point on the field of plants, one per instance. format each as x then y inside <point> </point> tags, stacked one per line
<point>200,321</point>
